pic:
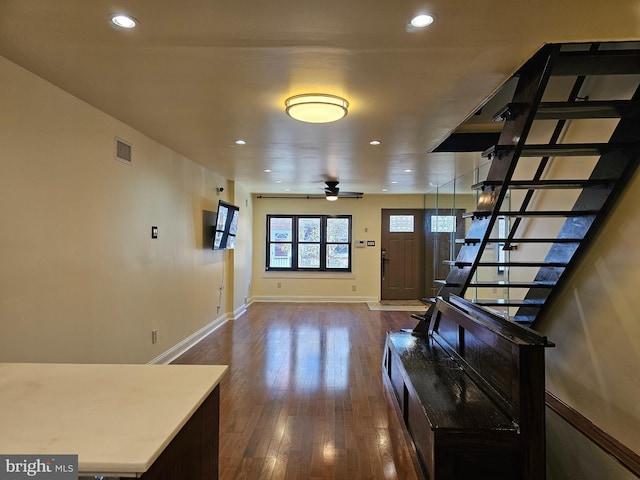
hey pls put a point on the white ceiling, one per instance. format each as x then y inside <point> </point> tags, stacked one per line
<point>196,75</point>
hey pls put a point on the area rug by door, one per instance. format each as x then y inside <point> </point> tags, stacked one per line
<point>398,305</point>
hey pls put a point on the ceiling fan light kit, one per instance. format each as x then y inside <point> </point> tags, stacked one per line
<point>316,107</point>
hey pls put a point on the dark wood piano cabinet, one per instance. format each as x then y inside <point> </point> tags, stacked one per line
<point>471,394</point>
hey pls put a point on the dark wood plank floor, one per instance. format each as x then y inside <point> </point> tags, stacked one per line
<point>304,396</point>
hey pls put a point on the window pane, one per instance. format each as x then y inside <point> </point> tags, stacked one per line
<point>309,230</point>
<point>309,255</point>
<point>280,255</point>
<point>233,228</point>
<point>281,230</point>
<point>443,223</point>
<point>337,256</point>
<point>222,217</point>
<point>338,230</point>
<point>401,223</point>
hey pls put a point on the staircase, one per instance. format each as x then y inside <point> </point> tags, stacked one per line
<point>527,181</point>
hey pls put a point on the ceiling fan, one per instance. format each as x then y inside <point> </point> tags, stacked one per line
<point>332,191</point>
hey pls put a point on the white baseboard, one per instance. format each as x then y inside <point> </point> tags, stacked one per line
<point>178,349</point>
<point>238,312</point>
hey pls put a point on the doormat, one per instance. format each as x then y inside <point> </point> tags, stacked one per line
<point>398,305</point>
<point>406,303</point>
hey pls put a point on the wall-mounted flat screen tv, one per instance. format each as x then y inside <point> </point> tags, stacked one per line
<point>226,226</point>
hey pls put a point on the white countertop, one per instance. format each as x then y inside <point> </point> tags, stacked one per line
<point>117,418</point>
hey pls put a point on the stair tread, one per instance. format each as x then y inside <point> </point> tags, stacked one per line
<point>457,263</point>
<point>587,109</point>
<point>574,110</point>
<point>429,300</point>
<point>467,241</point>
<point>559,150</point>
<point>602,62</point>
<point>539,184</point>
<point>533,213</point>
<point>498,284</point>
<point>472,241</point>
<point>444,282</point>
<point>537,302</point>
<point>505,284</point>
<point>534,240</point>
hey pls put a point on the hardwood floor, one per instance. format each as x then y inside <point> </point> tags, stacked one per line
<point>304,396</point>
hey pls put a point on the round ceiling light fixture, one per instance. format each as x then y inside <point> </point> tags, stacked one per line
<point>316,107</point>
<point>124,21</point>
<point>421,21</point>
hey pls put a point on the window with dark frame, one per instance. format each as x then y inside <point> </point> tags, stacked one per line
<point>315,243</point>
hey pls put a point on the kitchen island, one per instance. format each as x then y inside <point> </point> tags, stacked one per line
<point>131,421</point>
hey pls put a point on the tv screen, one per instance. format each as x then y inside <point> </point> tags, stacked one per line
<point>226,226</point>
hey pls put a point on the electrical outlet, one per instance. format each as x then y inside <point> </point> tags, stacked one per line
<point>353,288</point>
<point>154,336</point>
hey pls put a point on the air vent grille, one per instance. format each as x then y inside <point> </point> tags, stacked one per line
<point>123,151</point>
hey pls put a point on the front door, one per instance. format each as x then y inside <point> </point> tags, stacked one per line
<point>401,254</point>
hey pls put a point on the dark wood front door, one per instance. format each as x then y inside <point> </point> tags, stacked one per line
<point>401,254</point>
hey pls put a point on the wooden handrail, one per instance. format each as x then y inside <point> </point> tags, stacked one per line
<point>624,455</point>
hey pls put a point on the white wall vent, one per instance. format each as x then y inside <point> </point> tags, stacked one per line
<point>123,151</point>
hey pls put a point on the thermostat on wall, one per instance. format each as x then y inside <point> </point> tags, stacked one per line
<point>360,244</point>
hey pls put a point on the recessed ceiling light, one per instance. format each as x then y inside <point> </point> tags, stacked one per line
<point>278,181</point>
<point>267,170</point>
<point>394,182</point>
<point>124,21</point>
<point>421,21</point>
<point>375,142</point>
<point>407,170</point>
<point>287,189</point>
<point>385,189</point>
<point>241,142</point>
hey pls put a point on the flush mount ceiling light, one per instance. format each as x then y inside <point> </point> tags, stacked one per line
<point>316,107</point>
<point>123,21</point>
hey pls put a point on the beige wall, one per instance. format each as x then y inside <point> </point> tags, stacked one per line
<point>81,280</point>
<point>365,276</point>
<point>243,254</point>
